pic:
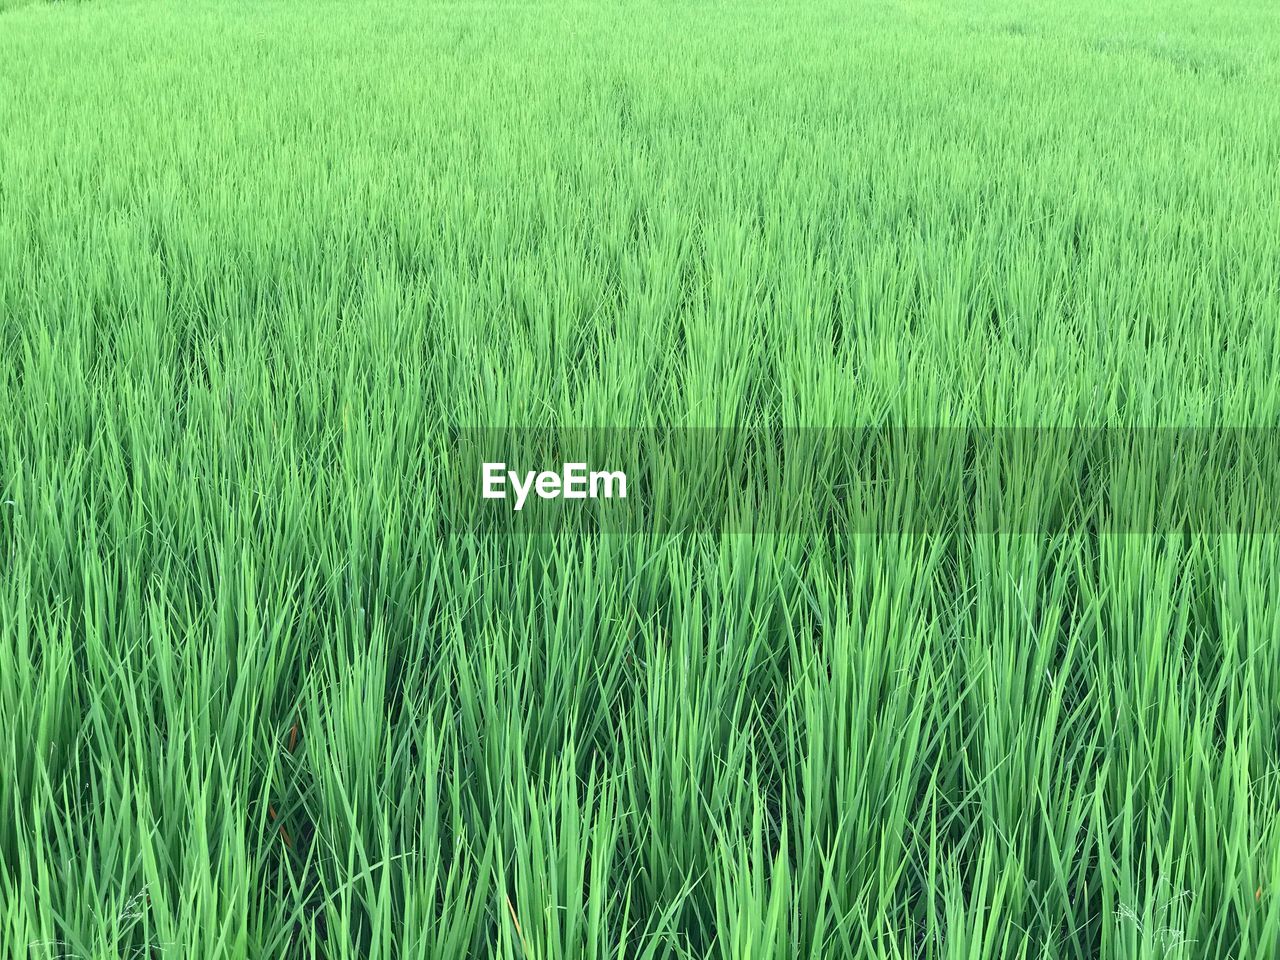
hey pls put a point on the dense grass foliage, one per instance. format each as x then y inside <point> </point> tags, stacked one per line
<point>262,693</point>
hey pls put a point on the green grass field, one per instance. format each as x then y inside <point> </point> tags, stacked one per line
<point>266,690</point>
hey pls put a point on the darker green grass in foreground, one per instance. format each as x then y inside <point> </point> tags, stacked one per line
<point>263,693</point>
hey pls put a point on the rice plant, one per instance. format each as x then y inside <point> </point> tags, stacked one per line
<point>272,685</point>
